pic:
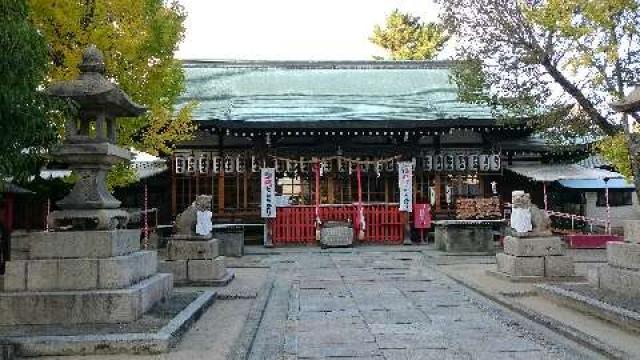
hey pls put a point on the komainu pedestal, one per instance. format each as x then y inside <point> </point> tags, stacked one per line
<point>195,259</point>
<point>532,253</point>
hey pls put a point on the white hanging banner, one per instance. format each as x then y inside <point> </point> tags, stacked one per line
<point>268,198</point>
<point>405,182</point>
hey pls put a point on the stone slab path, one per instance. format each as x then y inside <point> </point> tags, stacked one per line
<point>375,305</point>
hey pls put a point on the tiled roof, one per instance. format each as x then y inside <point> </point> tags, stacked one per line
<point>318,91</point>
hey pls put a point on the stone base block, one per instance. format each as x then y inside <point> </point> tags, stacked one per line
<point>632,231</point>
<point>520,266</point>
<point>197,272</point>
<point>83,244</point>
<point>534,246</point>
<point>559,266</point>
<point>462,238</point>
<point>623,255</point>
<point>621,281</point>
<point>147,340</point>
<point>203,270</point>
<point>231,241</point>
<point>84,307</point>
<point>192,250</point>
<point>79,274</point>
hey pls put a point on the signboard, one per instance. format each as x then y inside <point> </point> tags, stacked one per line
<point>268,198</point>
<point>405,182</point>
<point>422,216</point>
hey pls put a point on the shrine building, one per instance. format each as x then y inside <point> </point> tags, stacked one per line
<point>334,133</point>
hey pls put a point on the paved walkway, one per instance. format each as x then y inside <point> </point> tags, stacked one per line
<point>374,305</point>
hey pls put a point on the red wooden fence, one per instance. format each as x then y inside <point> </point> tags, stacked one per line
<point>295,224</point>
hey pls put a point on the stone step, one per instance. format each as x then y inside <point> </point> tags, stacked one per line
<point>621,281</point>
<point>83,307</point>
<point>80,274</point>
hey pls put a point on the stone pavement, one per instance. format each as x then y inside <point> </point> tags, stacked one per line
<point>387,305</point>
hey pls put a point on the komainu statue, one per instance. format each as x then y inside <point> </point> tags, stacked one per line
<point>196,219</point>
<point>527,217</point>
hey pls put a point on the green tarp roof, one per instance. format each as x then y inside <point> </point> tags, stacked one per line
<point>318,91</point>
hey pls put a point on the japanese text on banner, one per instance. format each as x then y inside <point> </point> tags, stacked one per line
<point>268,199</point>
<point>405,178</point>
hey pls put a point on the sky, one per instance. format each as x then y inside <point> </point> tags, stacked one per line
<point>289,29</point>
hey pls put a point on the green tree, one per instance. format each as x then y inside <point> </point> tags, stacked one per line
<point>139,39</point>
<point>408,38</point>
<point>571,57</point>
<point>24,129</point>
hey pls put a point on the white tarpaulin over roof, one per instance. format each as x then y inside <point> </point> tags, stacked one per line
<point>145,165</point>
<point>551,173</point>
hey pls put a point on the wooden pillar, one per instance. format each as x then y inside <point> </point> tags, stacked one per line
<point>246,190</point>
<point>331,189</point>
<point>438,185</point>
<point>386,189</point>
<point>238,204</point>
<point>221,192</point>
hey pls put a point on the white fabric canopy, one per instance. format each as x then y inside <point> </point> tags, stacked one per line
<point>551,173</point>
<point>145,165</point>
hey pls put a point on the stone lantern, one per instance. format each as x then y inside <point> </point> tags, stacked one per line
<point>89,147</point>
<point>89,269</point>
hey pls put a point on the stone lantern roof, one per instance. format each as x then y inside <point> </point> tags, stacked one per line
<point>93,92</point>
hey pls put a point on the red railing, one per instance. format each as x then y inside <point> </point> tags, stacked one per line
<point>296,224</point>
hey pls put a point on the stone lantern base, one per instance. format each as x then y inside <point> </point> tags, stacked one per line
<point>82,277</point>
<point>621,274</point>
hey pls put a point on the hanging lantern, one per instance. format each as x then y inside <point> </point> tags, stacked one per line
<point>449,194</point>
<point>390,165</point>
<point>228,164</point>
<point>439,162</point>
<point>216,164</point>
<point>191,164</point>
<point>432,195</point>
<point>485,164</point>
<point>427,162</point>
<point>449,162</point>
<point>179,168</point>
<point>494,188</point>
<point>203,164</point>
<point>461,162</point>
<point>255,167</point>
<point>474,162</point>
<point>379,168</point>
<point>494,163</point>
<point>240,164</point>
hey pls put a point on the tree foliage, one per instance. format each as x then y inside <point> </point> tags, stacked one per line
<point>552,52</point>
<point>139,39</point>
<point>569,57</point>
<point>406,37</point>
<point>24,129</point>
